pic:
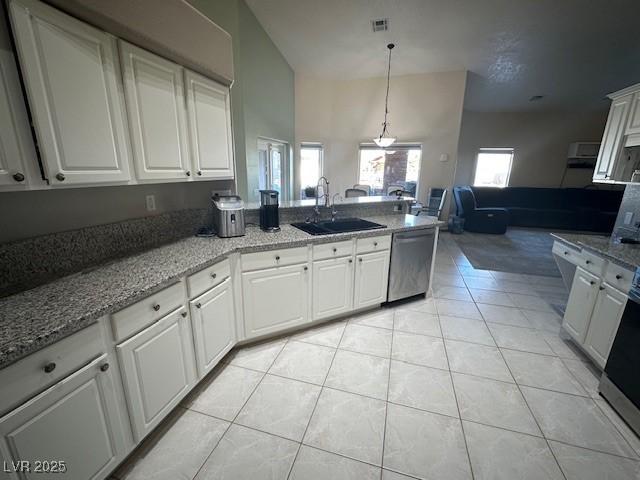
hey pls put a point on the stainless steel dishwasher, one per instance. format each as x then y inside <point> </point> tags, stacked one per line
<point>410,268</point>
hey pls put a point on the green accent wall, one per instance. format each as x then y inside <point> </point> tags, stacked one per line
<point>262,94</point>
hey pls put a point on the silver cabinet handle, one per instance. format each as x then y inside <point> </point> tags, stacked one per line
<point>350,260</point>
<point>587,262</point>
<point>198,305</point>
<point>618,277</point>
<point>360,259</point>
<point>306,268</point>
<point>18,177</point>
<point>188,173</point>
<point>49,367</point>
<point>60,177</point>
<point>592,282</point>
<point>277,257</point>
<point>156,307</point>
<point>375,244</point>
<point>214,275</point>
<point>601,288</point>
<point>335,249</point>
<point>184,314</point>
<point>104,367</point>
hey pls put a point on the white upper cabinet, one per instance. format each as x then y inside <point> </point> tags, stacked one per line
<point>154,90</point>
<point>71,75</point>
<point>633,125</point>
<point>612,139</point>
<point>18,160</point>
<point>211,139</point>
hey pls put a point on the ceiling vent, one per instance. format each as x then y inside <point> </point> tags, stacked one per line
<point>380,25</point>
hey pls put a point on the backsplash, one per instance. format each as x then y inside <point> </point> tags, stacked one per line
<point>630,203</point>
<point>28,263</point>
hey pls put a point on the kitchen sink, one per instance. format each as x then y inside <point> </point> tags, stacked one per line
<point>341,225</point>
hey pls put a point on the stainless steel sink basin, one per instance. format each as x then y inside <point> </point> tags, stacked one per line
<point>341,225</point>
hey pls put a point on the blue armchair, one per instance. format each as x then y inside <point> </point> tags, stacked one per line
<point>481,220</point>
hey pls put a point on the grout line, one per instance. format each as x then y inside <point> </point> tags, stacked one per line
<point>455,396</point>
<point>531,411</point>
<point>386,403</point>
<point>316,404</point>
<point>233,422</point>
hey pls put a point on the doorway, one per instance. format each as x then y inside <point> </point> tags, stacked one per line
<point>272,166</point>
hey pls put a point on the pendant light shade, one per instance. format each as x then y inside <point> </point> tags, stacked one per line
<point>385,139</point>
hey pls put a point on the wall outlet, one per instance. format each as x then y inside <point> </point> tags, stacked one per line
<point>150,200</point>
<point>628,218</point>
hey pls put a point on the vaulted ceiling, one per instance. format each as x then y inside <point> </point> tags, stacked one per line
<point>573,52</point>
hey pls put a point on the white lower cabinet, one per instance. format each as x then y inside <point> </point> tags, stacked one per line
<point>371,277</point>
<point>76,421</point>
<point>582,299</point>
<point>604,323</point>
<point>157,370</point>
<point>213,321</point>
<point>275,298</point>
<point>332,287</point>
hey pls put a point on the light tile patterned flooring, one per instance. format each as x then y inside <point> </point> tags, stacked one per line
<point>476,382</point>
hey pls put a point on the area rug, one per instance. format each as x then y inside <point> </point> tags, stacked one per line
<point>520,250</point>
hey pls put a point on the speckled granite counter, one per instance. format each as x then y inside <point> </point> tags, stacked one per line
<point>623,254</point>
<point>39,317</point>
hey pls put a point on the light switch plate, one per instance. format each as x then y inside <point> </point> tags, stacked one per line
<point>628,218</point>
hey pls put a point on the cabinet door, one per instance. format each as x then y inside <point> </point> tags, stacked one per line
<point>213,320</point>
<point>18,160</point>
<point>604,323</point>
<point>275,298</point>
<point>612,138</point>
<point>71,75</point>
<point>332,287</point>
<point>157,119</point>
<point>211,139</point>
<point>582,299</point>
<point>633,125</point>
<point>157,370</point>
<point>372,273</point>
<point>77,421</point>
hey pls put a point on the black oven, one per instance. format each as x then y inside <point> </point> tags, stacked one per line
<point>620,384</point>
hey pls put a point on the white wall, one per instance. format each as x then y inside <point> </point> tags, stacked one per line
<point>341,114</point>
<point>540,141</point>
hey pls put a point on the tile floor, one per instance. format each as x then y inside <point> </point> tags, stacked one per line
<point>474,383</point>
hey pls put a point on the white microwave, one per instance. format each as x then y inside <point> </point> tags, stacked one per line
<point>583,150</point>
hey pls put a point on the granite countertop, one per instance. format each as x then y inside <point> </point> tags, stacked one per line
<point>39,317</point>
<point>623,254</point>
<point>311,202</point>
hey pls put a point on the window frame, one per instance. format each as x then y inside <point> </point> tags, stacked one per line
<point>311,146</point>
<point>500,150</point>
<point>393,147</point>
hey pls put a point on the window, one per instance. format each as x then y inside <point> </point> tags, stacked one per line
<point>385,170</point>
<point>310,168</point>
<point>493,167</point>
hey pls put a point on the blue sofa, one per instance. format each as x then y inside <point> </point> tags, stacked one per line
<point>553,208</point>
<point>476,218</point>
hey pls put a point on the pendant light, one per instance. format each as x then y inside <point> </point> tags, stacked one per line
<point>385,139</point>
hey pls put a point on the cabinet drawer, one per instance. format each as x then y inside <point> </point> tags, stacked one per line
<point>274,258</point>
<point>593,263</point>
<point>28,377</point>
<point>568,253</point>
<point>208,278</point>
<point>135,317</point>
<point>373,244</point>
<point>618,277</point>
<point>332,250</point>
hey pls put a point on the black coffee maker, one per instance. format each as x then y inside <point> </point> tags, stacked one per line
<point>269,217</point>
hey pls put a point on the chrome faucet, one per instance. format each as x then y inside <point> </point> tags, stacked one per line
<point>325,194</point>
